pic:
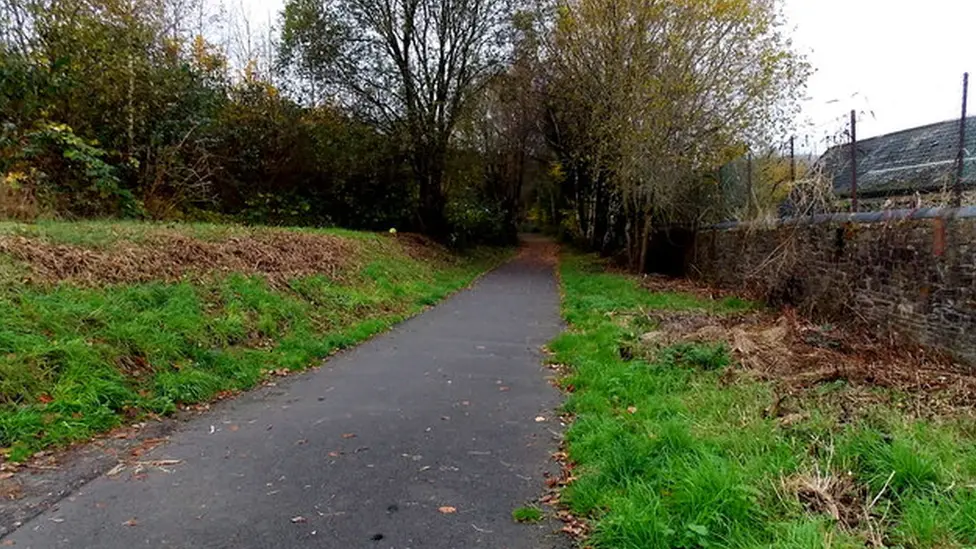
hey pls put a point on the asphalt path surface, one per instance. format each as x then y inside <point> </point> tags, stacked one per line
<point>425,437</point>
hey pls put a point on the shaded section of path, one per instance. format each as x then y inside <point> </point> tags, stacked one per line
<point>364,452</point>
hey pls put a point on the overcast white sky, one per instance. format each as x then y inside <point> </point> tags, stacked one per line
<point>901,60</point>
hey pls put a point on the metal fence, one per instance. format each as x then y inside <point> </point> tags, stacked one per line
<point>925,166</point>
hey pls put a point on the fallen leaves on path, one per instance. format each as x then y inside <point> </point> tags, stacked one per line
<point>11,490</point>
<point>299,520</point>
<point>349,435</point>
<point>131,522</point>
<point>115,471</point>
<point>573,525</point>
<point>447,510</point>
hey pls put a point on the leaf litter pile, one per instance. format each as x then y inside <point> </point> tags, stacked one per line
<point>798,355</point>
<point>171,256</point>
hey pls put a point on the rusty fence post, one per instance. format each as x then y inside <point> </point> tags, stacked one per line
<point>749,186</point>
<point>793,158</point>
<point>853,161</point>
<point>961,155</point>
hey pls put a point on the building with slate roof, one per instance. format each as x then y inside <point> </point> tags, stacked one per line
<point>918,160</point>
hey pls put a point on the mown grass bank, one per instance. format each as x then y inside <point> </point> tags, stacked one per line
<point>78,357</point>
<point>675,446</point>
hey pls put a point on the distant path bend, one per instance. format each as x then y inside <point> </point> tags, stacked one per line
<point>425,437</point>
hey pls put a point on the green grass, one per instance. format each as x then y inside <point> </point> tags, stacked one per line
<point>527,514</point>
<point>670,454</point>
<point>78,361</point>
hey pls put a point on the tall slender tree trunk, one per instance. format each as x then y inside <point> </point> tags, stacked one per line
<point>645,244</point>
<point>429,170</point>
<point>130,109</point>
<point>600,218</point>
<point>581,204</point>
<point>130,97</point>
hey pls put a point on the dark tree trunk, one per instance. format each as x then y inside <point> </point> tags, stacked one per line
<point>429,170</point>
<point>601,221</point>
<point>645,244</point>
<point>582,201</point>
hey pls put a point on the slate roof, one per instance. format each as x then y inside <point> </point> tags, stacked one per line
<point>919,159</point>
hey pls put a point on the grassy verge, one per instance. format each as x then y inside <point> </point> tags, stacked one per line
<point>670,450</point>
<point>76,360</point>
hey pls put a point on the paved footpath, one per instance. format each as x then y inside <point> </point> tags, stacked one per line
<point>368,451</point>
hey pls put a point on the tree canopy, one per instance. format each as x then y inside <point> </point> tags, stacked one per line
<point>604,119</point>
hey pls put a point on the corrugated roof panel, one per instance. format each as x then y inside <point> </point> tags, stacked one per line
<point>918,159</point>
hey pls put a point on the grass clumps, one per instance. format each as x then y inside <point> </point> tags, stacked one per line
<point>527,514</point>
<point>77,359</point>
<point>673,449</point>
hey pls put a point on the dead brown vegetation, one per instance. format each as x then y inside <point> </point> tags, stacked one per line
<point>170,256</point>
<point>797,355</point>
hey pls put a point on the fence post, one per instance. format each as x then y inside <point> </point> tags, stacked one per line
<point>961,158</point>
<point>721,193</point>
<point>749,186</point>
<point>792,159</point>
<point>853,160</point>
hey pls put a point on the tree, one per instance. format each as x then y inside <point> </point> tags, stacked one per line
<point>310,45</point>
<point>502,127</point>
<point>411,66</point>
<point>673,89</point>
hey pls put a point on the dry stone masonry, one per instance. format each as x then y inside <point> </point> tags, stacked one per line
<point>910,273</point>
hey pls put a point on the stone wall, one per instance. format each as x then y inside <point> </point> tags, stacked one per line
<point>911,273</point>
